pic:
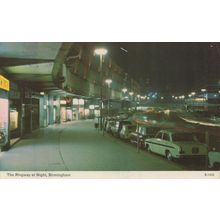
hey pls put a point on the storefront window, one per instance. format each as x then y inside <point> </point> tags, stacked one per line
<point>3,120</point>
<point>13,119</point>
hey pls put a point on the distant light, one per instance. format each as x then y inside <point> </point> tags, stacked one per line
<point>176,97</point>
<point>42,93</point>
<point>183,97</point>
<point>138,96</point>
<point>193,93</point>
<point>190,95</point>
<point>219,91</point>
<point>100,51</point>
<point>173,96</point>
<point>81,102</point>
<point>162,97</point>
<point>63,102</point>
<point>200,99</point>
<point>211,45</point>
<point>108,81</point>
<point>203,90</point>
<point>124,49</point>
<point>124,90</point>
<point>92,107</point>
<point>75,101</point>
<point>131,93</point>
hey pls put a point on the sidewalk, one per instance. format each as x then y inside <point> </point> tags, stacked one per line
<point>77,146</point>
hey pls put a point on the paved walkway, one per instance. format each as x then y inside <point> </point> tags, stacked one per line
<point>77,146</point>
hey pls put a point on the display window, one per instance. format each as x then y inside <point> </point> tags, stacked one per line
<point>69,115</point>
<point>13,119</point>
<point>63,114</point>
<point>3,121</point>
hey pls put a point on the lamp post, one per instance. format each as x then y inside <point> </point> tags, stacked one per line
<point>108,82</point>
<point>101,52</point>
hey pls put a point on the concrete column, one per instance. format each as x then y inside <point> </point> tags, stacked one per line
<point>58,110</point>
<point>50,102</point>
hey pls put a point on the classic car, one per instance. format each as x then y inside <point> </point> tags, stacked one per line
<point>116,128</point>
<point>142,132</point>
<point>173,144</point>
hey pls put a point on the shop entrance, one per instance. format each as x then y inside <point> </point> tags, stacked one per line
<point>31,116</point>
<point>35,114</point>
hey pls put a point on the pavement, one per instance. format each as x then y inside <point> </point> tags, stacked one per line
<point>78,146</point>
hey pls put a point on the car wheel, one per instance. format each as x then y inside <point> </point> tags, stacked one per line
<point>169,156</point>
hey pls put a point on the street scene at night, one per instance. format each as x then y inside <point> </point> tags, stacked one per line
<point>109,106</point>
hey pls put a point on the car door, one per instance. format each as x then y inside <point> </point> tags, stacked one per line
<point>155,142</point>
<point>166,144</point>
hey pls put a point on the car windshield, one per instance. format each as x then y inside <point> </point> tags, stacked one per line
<point>183,137</point>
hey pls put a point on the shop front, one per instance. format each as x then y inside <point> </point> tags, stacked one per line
<point>4,113</point>
<point>14,111</point>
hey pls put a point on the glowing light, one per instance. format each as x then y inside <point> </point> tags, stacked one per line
<point>100,51</point>
<point>108,81</point>
<point>124,90</point>
<point>131,93</point>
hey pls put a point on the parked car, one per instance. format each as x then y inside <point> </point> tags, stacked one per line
<point>116,128</point>
<point>172,144</point>
<point>126,130</point>
<point>142,132</point>
<point>214,158</point>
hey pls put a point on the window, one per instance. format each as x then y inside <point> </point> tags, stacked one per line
<point>166,137</point>
<point>159,135</point>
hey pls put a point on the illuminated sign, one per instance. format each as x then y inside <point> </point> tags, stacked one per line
<point>4,83</point>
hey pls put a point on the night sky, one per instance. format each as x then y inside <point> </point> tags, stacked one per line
<point>174,67</point>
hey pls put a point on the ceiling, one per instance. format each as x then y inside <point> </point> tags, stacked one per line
<point>30,62</point>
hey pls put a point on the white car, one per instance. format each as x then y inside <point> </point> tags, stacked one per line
<point>214,158</point>
<point>172,144</point>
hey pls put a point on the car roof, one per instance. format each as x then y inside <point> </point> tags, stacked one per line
<point>175,131</point>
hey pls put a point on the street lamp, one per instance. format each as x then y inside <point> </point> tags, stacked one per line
<point>108,82</point>
<point>101,52</point>
<point>124,90</point>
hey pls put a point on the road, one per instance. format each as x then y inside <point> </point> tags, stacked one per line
<point>77,146</point>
